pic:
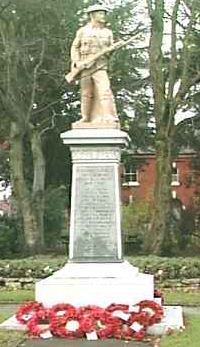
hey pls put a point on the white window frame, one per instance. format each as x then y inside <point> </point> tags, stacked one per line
<point>131,182</point>
<point>175,176</point>
<point>174,194</point>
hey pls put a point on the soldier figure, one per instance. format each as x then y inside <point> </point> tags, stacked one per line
<point>97,101</point>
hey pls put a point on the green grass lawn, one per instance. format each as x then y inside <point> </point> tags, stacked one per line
<point>16,296</point>
<point>10,338</point>
<point>182,298</point>
<point>3,316</point>
<point>189,338</point>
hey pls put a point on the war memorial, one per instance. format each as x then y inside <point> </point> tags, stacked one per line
<point>96,272</point>
<point>96,276</point>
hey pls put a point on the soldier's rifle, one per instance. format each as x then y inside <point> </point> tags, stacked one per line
<point>88,63</point>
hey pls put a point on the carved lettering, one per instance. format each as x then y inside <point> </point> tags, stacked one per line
<point>96,154</point>
<point>95,233</point>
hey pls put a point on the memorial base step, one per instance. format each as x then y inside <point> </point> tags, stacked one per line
<point>95,284</point>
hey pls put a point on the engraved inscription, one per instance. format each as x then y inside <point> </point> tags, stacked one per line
<point>95,154</point>
<point>95,233</point>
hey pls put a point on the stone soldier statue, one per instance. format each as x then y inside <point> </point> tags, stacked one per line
<point>97,101</point>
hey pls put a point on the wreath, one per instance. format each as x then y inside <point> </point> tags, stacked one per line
<point>39,323</point>
<point>67,326</point>
<point>26,311</point>
<point>97,319</point>
<point>138,323</point>
<point>101,322</point>
<point>119,311</point>
<point>86,311</point>
<point>117,307</point>
<point>154,311</point>
<point>64,320</point>
<point>60,310</point>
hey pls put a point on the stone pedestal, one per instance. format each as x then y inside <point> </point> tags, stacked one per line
<point>96,272</point>
<point>96,284</point>
<point>95,226</point>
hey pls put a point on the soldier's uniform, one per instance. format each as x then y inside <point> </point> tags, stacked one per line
<point>97,101</point>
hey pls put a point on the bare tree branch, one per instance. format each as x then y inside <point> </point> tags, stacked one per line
<point>156,60</point>
<point>172,67</point>
<point>187,121</point>
<point>46,107</point>
<point>185,89</point>
<point>173,60</point>
<point>52,124</point>
<point>35,75</point>
<point>188,4</point>
<point>186,83</point>
<point>169,16</point>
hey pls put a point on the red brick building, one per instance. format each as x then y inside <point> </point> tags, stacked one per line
<point>138,178</point>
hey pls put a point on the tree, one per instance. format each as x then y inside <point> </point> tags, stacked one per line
<point>174,78</point>
<point>33,42</point>
<point>187,134</point>
<point>36,103</point>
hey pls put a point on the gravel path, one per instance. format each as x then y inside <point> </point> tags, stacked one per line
<point>83,343</point>
<point>191,309</point>
<point>8,308</point>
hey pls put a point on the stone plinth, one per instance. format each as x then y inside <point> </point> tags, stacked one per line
<point>96,284</point>
<point>96,273</point>
<point>95,226</point>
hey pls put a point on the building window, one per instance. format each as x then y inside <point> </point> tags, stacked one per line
<point>130,176</point>
<point>175,175</point>
<point>174,195</point>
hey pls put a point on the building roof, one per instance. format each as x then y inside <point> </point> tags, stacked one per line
<point>151,151</point>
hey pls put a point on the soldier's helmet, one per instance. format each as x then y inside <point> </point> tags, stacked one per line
<point>96,8</point>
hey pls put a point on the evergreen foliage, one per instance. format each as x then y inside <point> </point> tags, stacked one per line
<point>11,237</point>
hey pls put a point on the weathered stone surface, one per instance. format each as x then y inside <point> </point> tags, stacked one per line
<point>13,285</point>
<point>27,280</point>
<point>191,281</point>
<point>99,284</point>
<point>95,224</point>
<point>17,283</point>
<point>11,279</point>
<point>95,219</point>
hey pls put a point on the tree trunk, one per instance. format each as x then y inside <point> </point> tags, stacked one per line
<point>32,236</point>
<point>159,234</point>
<point>164,112</point>
<point>38,183</point>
